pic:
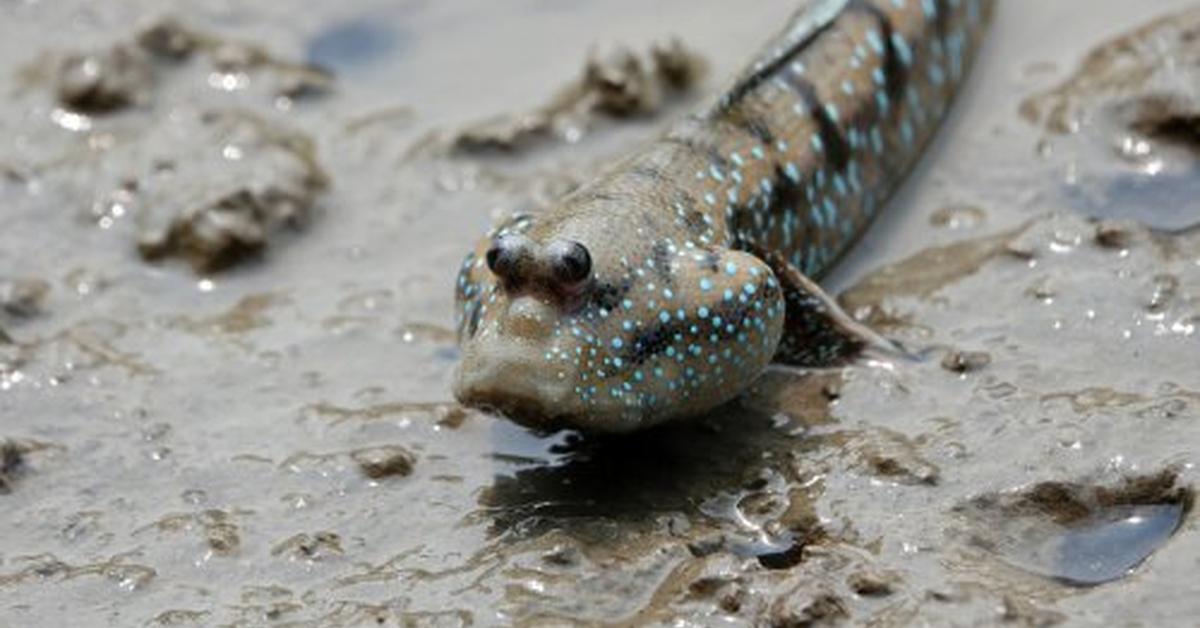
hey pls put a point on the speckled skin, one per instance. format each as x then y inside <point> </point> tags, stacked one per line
<point>701,242</point>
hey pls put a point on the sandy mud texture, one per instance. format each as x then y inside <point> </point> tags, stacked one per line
<point>226,266</point>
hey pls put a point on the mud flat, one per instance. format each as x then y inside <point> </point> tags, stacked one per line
<point>226,267</point>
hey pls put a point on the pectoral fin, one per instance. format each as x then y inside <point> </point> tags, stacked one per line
<point>816,331</point>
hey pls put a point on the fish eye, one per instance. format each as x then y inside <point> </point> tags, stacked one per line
<point>502,257</point>
<point>571,262</point>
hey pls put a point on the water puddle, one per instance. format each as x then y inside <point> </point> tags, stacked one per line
<point>354,46</point>
<point>1126,126</point>
<point>1111,544</point>
<point>1080,535</point>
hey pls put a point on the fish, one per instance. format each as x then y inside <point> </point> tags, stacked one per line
<point>667,285</point>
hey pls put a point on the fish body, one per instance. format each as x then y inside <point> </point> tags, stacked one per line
<point>665,286</point>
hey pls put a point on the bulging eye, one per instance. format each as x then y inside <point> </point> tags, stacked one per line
<point>571,262</point>
<point>503,257</point>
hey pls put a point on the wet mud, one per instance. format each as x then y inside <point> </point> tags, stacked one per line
<point>226,278</point>
<point>615,83</point>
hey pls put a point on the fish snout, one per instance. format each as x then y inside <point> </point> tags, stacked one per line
<point>529,318</point>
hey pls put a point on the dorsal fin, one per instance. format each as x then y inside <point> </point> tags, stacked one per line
<point>804,26</point>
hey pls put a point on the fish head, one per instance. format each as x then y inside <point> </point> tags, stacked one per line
<point>607,330</point>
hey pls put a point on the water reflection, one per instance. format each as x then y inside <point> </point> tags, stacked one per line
<point>671,469</point>
<point>1106,547</point>
<point>350,46</point>
<point>1166,200</point>
<point>1081,535</point>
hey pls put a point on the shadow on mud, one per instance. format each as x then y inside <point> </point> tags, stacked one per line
<point>671,469</point>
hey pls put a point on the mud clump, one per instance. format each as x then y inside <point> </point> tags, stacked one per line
<point>125,74</point>
<point>1067,502</point>
<point>806,608</point>
<point>872,584</point>
<point>168,39</point>
<point>251,180</point>
<point>958,217</point>
<point>888,454</point>
<point>616,82</point>
<point>22,297</point>
<point>217,528</point>
<point>1126,125</point>
<point>12,462</point>
<point>15,457</point>
<point>219,531</point>
<point>316,546</point>
<point>963,362</point>
<point>387,461</point>
<point>1112,234</point>
<point>101,82</point>
<point>1158,56</point>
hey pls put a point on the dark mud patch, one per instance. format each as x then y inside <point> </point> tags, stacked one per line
<point>105,81</point>
<point>23,297</point>
<point>12,463</point>
<point>1081,534</point>
<point>892,456</point>
<point>1168,120</point>
<point>16,459</point>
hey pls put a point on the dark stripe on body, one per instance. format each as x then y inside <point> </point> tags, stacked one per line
<point>768,70</point>
<point>785,196</point>
<point>942,19</point>
<point>835,145</point>
<point>895,73</point>
<point>751,123</point>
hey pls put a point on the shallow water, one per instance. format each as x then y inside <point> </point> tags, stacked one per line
<point>1109,547</point>
<point>276,443</point>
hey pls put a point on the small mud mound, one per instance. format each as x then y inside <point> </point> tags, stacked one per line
<point>1080,534</point>
<point>1127,123</point>
<point>616,83</point>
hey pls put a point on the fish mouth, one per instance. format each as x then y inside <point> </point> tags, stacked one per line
<point>512,380</point>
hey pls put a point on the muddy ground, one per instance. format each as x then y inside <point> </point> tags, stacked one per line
<point>228,245</point>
